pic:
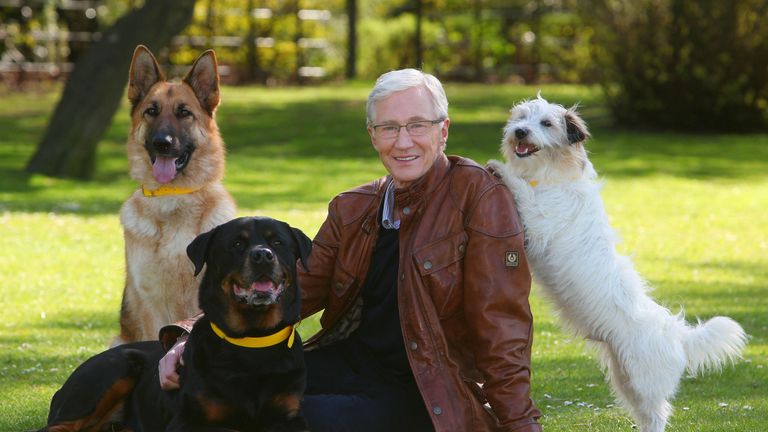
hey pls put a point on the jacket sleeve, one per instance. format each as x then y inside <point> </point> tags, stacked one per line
<point>172,332</point>
<point>315,283</point>
<point>497,283</point>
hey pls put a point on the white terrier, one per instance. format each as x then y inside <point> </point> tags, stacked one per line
<point>595,290</point>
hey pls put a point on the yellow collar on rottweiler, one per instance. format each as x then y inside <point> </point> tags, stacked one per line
<point>287,332</point>
<point>167,190</point>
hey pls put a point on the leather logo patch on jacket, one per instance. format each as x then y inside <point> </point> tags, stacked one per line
<point>512,259</point>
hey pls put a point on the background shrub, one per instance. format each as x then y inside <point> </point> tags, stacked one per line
<point>682,64</point>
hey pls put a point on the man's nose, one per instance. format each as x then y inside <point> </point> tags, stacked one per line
<point>403,139</point>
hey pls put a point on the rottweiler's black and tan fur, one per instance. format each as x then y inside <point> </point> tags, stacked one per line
<point>243,363</point>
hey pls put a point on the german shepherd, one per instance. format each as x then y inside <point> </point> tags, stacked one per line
<point>243,363</point>
<point>176,154</point>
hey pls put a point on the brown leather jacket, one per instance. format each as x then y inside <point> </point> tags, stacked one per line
<point>462,294</point>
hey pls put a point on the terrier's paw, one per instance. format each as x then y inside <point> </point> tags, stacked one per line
<point>496,168</point>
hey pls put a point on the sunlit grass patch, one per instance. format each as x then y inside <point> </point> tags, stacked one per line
<point>689,209</point>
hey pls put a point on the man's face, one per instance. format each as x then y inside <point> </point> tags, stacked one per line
<point>408,158</point>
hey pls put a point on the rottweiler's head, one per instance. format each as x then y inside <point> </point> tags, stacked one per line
<point>250,283</point>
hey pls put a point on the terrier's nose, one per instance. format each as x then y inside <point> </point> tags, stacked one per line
<point>521,133</point>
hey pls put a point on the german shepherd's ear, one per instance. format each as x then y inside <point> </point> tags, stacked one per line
<point>145,72</point>
<point>304,246</point>
<point>575,126</point>
<point>204,80</point>
<point>198,249</point>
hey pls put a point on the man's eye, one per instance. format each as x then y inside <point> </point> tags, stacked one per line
<point>417,126</point>
<point>389,128</point>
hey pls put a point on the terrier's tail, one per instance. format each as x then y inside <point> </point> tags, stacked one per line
<point>711,344</point>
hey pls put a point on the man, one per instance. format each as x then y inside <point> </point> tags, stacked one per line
<point>423,283</point>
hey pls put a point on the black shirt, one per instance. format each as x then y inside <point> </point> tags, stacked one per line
<point>379,335</point>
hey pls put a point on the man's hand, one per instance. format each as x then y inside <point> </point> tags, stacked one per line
<point>169,377</point>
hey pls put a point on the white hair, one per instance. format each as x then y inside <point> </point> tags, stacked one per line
<point>404,79</point>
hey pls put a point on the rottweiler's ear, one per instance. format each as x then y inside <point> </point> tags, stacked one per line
<point>198,249</point>
<point>304,246</point>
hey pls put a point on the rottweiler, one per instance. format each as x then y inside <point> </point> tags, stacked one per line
<point>243,362</point>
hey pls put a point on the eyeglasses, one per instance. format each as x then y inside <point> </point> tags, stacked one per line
<point>415,128</point>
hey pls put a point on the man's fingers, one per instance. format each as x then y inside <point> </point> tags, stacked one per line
<point>169,378</point>
<point>169,382</point>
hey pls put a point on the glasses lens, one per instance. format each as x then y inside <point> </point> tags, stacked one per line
<point>418,128</point>
<point>386,131</point>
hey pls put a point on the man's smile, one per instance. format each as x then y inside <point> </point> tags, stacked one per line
<point>405,158</point>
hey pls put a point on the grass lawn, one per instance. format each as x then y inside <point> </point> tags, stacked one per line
<point>690,210</point>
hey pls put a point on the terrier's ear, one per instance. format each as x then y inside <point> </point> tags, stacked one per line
<point>575,127</point>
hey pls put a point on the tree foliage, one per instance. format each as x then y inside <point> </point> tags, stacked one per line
<point>681,64</point>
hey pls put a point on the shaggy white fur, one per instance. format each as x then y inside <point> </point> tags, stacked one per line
<point>596,291</point>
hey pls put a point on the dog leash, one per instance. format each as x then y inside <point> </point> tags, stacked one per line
<point>287,333</point>
<point>167,190</point>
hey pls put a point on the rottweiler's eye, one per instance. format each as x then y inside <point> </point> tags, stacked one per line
<point>239,244</point>
<point>546,123</point>
<point>276,242</point>
<point>152,111</point>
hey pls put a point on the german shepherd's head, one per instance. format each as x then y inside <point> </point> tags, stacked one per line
<point>174,138</point>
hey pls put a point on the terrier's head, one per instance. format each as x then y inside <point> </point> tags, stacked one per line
<point>536,124</point>
<point>543,135</point>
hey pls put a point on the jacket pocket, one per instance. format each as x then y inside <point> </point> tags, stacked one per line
<point>341,281</point>
<point>440,264</point>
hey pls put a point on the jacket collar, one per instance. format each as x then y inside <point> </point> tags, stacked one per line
<point>421,188</point>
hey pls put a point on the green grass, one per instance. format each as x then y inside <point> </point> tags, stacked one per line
<point>690,210</point>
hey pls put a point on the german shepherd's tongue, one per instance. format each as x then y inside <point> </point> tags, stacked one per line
<point>164,169</point>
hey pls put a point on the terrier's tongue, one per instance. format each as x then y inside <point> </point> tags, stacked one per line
<point>164,169</point>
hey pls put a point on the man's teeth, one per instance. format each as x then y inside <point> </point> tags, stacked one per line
<point>408,158</point>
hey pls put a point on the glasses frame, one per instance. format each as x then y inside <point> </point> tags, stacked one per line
<point>400,126</point>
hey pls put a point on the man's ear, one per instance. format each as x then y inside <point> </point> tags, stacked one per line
<point>303,246</point>
<point>444,133</point>
<point>575,127</point>
<point>373,138</point>
<point>198,250</point>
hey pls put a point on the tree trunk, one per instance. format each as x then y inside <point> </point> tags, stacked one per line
<point>93,92</point>
<point>351,39</point>
<point>419,50</point>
